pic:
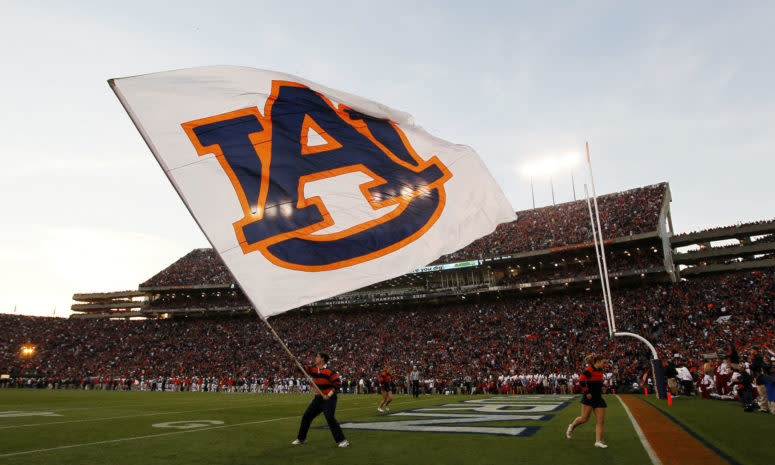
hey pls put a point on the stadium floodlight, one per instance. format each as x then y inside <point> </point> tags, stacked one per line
<point>549,166</point>
<point>546,166</point>
<point>570,159</point>
<point>530,169</point>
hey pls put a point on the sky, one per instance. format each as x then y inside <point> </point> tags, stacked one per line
<point>663,91</point>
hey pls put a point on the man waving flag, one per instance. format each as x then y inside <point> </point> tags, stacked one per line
<point>304,191</point>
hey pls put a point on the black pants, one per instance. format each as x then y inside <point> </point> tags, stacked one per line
<point>746,398</point>
<point>328,408</point>
<point>416,388</point>
<point>688,387</point>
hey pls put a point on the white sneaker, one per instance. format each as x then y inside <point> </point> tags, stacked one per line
<point>601,445</point>
<point>296,442</point>
<point>569,431</point>
<point>379,409</point>
<point>344,443</point>
<point>387,409</point>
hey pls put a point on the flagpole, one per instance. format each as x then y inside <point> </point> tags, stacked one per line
<point>293,357</point>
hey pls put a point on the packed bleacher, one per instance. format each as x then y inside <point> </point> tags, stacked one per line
<point>200,266</point>
<point>765,239</point>
<point>545,335</point>
<point>622,214</point>
<point>738,225</point>
<point>625,213</point>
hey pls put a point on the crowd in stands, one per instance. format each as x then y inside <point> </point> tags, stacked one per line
<point>768,238</point>
<point>622,214</point>
<point>721,228</point>
<point>200,266</point>
<point>764,239</point>
<point>625,213</point>
<point>491,344</point>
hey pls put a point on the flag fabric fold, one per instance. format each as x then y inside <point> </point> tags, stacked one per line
<point>307,192</point>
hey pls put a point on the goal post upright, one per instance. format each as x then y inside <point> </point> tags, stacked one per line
<point>608,315</point>
<point>597,235</point>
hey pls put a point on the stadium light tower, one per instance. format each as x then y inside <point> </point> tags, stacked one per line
<point>549,166</point>
<point>569,161</point>
<point>530,170</point>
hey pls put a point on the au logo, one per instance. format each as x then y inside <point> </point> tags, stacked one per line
<point>520,416</point>
<point>270,158</point>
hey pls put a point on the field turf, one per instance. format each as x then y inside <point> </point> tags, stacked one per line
<point>117,428</point>
<point>737,436</point>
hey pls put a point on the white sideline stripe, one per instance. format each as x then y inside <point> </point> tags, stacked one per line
<point>169,434</point>
<point>653,456</point>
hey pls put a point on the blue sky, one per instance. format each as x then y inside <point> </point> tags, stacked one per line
<point>663,92</point>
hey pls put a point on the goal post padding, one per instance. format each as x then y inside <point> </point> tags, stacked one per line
<point>659,378</point>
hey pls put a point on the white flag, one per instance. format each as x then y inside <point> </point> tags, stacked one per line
<point>304,191</point>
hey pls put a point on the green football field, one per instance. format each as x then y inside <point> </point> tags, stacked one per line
<point>116,428</point>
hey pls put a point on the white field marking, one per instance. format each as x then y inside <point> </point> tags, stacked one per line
<point>132,416</point>
<point>113,406</point>
<point>165,413</point>
<point>653,456</point>
<point>118,404</point>
<point>287,398</point>
<point>490,407</point>
<point>151,414</point>
<point>149,436</point>
<point>520,400</point>
<point>187,424</point>
<point>19,413</point>
<point>101,406</point>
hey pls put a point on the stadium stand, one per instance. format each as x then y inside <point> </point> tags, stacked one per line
<point>517,314</point>
<point>485,341</point>
<point>625,213</point>
<point>546,247</point>
<point>200,266</point>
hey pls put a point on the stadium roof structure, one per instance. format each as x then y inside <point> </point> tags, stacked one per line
<point>545,250</point>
